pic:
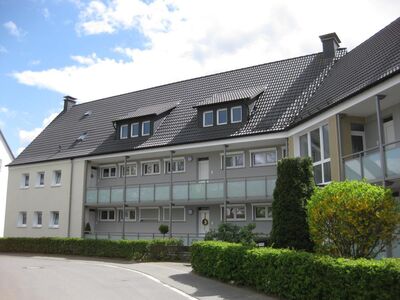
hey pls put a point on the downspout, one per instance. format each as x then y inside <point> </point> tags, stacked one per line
<point>225,185</point>
<point>70,197</point>
<point>171,156</point>
<point>339,136</point>
<point>124,198</point>
<point>287,147</point>
<point>84,198</point>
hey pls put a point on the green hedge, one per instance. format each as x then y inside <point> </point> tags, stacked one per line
<point>138,250</point>
<point>298,275</point>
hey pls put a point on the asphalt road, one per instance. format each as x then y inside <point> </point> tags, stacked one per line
<point>57,278</point>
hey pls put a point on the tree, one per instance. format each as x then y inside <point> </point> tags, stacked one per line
<point>352,219</point>
<point>163,229</point>
<point>294,186</point>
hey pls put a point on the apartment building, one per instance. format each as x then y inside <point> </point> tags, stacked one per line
<point>203,151</point>
<point>6,156</point>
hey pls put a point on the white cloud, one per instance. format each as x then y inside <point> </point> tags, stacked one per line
<point>46,13</point>
<point>4,110</point>
<point>27,136</point>
<point>13,29</point>
<point>34,62</point>
<point>185,39</point>
<point>3,49</point>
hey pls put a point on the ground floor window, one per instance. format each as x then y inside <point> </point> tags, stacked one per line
<point>234,212</point>
<point>149,214</point>
<point>107,214</point>
<point>21,222</point>
<point>178,213</point>
<point>262,211</point>
<point>54,219</point>
<point>130,215</point>
<point>37,219</point>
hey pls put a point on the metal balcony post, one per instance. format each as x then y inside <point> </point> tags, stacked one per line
<point>378,98</point>
<point>225,185</point>
<point>124,198</point>
<point>361,165</point>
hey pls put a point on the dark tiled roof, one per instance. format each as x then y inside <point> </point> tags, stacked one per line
<point>157,109</point>
<point>290,83</point>
<point>242,94</point>
<point>372,61</point>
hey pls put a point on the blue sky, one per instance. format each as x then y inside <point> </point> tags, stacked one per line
<point>95,49</point>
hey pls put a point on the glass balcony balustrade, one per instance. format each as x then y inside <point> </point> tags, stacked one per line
<point>186,191</point>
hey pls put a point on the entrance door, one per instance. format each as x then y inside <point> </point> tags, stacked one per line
<point>204,221</point>
<point>203,169</point>
<point>388,128</point>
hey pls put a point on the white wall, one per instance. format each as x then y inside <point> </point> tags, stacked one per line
<point>5,159</point>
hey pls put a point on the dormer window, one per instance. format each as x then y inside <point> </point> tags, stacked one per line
<point>145,128</point>
<point>124,132</point>
<point>236,114</point>
<point>208,118</point>
<point>134,129</point>
<point>222,116</point>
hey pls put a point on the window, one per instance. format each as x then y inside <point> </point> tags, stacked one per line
<point>108,172</point>
<point>151,167</point>
<point>134,129</point>
<point>263,157</point>
<point>131,170</point>
<point>222,116</point>
<point>21,222</point>
<point>124,132</point>
<point>234,212</point>
<point>107,214</point>
<point>57,177</point>
<point>208,118</point>
<point>236,114</point>
<point>316,145</point>
<point>284,152</point>
<point>130,215</point>
<point>25,181</point>
<point>357,137</point>
<point>178,165</point>
<point>233,160</point>
<point>37,219</point>
<point>262,211</point>
<point>54,219</point>
<point>146,128</point>
<point>178,214</point>
<point>40,179</point>
<point>149,214</point>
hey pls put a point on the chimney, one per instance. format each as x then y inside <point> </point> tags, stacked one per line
<point>330,42</point>
<point>69,102</point>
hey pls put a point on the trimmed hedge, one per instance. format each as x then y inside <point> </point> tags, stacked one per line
<point>140,250</point>
<point>298,275</point>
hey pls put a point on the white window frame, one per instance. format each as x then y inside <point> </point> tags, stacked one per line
<point>167,160</point>
<point>52,219</point>
<point>233,153</point>
<point>35,223</point>
<point>204,118</point>
<point>108,214</point>
<point>142,163</point>
<point>241,114</point>
<point>20,219</point>
<point>251,152</point>
<point>235,217</point>
<point>359,133</point>
<point>149,219</point>
<point>218,121</point>
<point>165,208</point>
<point>109,171</point>
<point>120,210</point>
<point>322,150</point>
<point>145,122</point>
<point>53,181</point>
<point>38,177</point>
<point>138,124</point>
<point>120,131</point>
<point>122,165</point>
<point>253,214</point>
<point>23,180</point>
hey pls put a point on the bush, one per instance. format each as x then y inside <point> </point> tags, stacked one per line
<point>233,233</point>
<point>294,186</point>
<point>163,229</point>
<point>138,250</point>
<point>352,219</point>
<point>298,275</point>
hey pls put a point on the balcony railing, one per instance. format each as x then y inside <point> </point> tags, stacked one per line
<point>367,164</point>
<point>185,191</point>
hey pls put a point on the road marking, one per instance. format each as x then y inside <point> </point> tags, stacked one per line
<point>149,277</point>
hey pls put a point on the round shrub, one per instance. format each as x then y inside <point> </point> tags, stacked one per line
<point>352,219</point>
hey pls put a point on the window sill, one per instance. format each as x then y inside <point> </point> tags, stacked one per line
<point>151,174</point>
<point>37,226</point>
<point>107,220</point>
<point>39,186</point>
<point>21,226</point>
<point>24,187</point>
<point>264,165</point>
<point>234,220</point>
<point>54,226</point>
<point>263,219</point>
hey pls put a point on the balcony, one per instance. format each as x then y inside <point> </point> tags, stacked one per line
<point>367,164</point>
<point>239,189</point>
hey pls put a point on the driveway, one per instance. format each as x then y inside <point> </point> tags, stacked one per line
<point>51,277</point>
